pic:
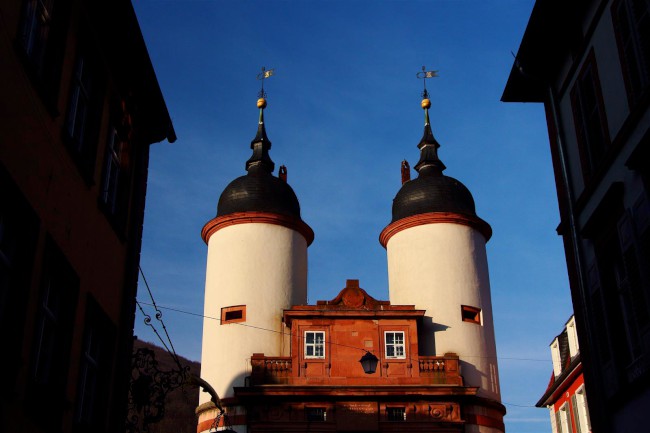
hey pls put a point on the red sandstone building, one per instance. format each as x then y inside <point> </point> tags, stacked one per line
<point>321,386</point>
<point>295,367</point>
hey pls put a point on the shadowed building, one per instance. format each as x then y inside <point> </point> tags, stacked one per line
<point>588,62</point>
<point>79,107</point>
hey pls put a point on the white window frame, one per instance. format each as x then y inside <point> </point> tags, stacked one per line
<point>395,345</point>
<point>565,420</point>
<point>583,410</point>
<point>555,355</point>
<point>314,345</point>
<point>551,412</point>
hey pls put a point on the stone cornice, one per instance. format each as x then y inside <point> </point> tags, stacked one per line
<point>435,218</point>
<point>218,223</point>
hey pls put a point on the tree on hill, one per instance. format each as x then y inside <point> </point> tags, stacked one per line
<point>180,404</point>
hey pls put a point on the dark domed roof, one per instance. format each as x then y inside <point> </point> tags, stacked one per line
<point>261,192</point>
<point>432,193</point>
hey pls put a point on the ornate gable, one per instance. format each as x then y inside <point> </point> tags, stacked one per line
<point>354,297</point>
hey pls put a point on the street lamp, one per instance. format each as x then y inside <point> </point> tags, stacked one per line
<point>369,363</point>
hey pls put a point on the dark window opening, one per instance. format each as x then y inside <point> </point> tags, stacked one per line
<point>84,111</point>
<point>589,117</point>
<point>396,413</point>
<point>41,42</point>
<point>233,314</point>
<point>19,227</point>
<point>632,26</point>
<point>470,314</point>
<point>316,414</point>
<point>116,180</point>
<point>50,357</point>
<point>92,408</point>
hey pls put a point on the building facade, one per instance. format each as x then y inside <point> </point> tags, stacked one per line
<point>588,62</point>
<point>566,397</point>
<point>289,366</point>
<point>79,107</point>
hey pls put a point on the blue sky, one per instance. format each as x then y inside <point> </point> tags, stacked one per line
<point>344,111</point>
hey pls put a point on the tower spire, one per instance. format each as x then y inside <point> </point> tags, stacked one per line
<point>429,163</point>
<point>260,161</point>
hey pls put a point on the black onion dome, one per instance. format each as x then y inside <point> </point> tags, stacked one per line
<point>431,191</point>
<point>261,192</point>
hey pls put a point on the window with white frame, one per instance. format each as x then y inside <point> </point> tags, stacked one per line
<point>315,344</point>
<point>562,419</point>
<point>580,411</point>
<point>394,345</point>
<point>555,355</point>
<point>551,412</point>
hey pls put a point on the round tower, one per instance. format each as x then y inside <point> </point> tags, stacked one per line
<point>437,260</point>
<point>256,268</point>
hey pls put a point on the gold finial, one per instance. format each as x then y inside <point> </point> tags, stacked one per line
<point>426,102</point>
<point>261,102</point>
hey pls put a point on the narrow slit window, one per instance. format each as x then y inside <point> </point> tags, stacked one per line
<point>470,314</point>
<point>233,314</point>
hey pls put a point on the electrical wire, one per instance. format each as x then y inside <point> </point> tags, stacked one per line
<point>329,342</point>
<point>159,317</point>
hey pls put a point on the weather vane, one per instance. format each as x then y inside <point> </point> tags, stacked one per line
<point>424,75</point>
<point>263,76</point>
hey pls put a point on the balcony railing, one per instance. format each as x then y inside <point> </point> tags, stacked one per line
<point>443,370</point>
<point>270,369</point>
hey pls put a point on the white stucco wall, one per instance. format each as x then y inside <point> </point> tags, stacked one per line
<point>264,267</point>
<point>439,267</point>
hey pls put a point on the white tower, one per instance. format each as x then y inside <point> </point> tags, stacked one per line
<point>256,268</point>
<point>437,261</point>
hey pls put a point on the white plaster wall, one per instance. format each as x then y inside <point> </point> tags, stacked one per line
<point>439,267</point>
<point>262,266</point>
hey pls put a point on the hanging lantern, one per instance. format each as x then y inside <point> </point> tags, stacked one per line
<point>369,363</point>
